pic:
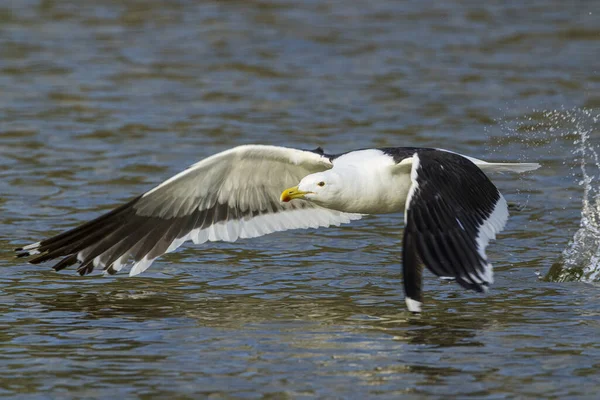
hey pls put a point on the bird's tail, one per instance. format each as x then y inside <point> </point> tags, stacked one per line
<point>507,167</point>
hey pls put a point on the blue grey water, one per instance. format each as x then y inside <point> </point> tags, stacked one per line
<point>101,100</point>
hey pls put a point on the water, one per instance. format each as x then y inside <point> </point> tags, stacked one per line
<point>101,100</point>
<point>581,259</point>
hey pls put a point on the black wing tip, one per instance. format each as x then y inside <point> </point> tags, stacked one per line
<point>29,250</point>
<point>111,271</point>
<point>62,264</point>
<point>85,271</point>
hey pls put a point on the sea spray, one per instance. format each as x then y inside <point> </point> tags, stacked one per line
<point>580,260</point>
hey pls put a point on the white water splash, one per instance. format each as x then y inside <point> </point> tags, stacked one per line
<point>581,259</point>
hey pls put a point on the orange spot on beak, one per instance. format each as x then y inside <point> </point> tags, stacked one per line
<point>292,193</point>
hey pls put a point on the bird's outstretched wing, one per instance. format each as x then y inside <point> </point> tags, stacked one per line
<point>230,195</point>
<point>452,211</point>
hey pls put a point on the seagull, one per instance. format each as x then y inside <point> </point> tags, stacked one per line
<point>451,209</point>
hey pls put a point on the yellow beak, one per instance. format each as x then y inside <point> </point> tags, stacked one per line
<point>292,193</point>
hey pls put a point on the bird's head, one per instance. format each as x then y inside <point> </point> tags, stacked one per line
<point>319,188</point>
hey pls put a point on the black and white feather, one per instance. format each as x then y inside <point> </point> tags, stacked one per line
<point>452,212</point>
<point>231,195</point>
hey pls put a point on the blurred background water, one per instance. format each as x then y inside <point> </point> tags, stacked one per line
<point>99,101</point>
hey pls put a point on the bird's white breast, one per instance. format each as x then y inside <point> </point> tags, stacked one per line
<point>371,183</point>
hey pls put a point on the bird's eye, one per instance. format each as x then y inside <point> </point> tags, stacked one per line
<point>321,183</point>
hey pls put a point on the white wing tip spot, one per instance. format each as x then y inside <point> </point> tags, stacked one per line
<point>488,274</point>
<point>32,246</point>
<point>141,266</point>
<point>413,306</point>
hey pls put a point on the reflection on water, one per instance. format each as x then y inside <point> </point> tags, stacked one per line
<point>101,100</point>
<point>132,331</point>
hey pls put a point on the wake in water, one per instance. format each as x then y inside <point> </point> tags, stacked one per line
<point>580,261</point>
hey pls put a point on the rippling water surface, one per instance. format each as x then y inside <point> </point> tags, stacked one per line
<point>101,100</point>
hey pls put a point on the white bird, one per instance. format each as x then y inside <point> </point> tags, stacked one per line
<point>451,209</point>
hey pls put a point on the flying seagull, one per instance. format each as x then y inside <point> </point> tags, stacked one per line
<point>451,209</point>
